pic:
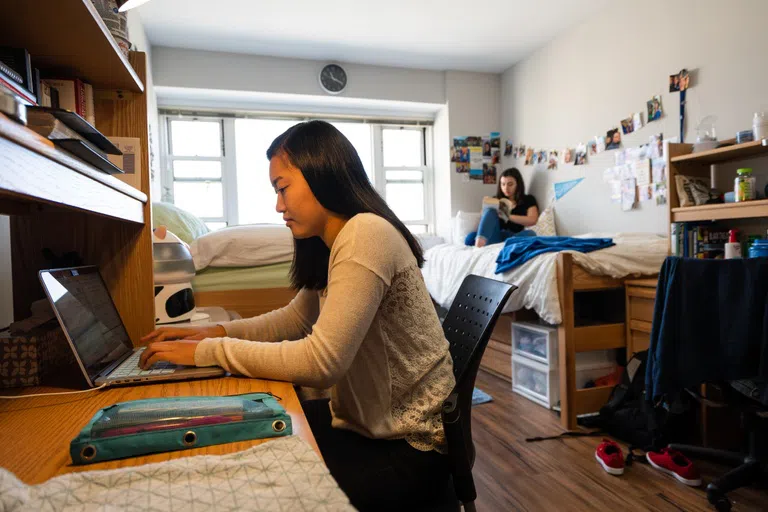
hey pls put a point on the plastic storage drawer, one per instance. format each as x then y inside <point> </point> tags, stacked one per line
<point>537,342</point>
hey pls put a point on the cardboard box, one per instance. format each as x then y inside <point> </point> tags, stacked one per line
<point>41,356</point>
<point>129,161</point>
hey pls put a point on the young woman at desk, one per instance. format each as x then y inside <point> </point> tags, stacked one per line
<point>523,212</point>
<point>362,324</point>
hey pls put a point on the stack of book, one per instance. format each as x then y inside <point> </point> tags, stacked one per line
<point>695,240</point>
<point>17,76</point>
<point>69,131</point>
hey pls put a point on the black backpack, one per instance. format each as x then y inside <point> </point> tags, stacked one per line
<point>628,416</point>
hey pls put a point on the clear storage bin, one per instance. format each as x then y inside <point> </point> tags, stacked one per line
<point>537,342</point>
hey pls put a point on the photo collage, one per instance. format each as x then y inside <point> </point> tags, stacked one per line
<point>478,157</point>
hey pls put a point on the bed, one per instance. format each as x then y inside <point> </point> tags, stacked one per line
<point>581,293</point>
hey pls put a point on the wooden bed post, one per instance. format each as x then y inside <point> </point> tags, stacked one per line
<point>565,336</point>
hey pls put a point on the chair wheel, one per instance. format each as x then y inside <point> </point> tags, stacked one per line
<point>722,504</point>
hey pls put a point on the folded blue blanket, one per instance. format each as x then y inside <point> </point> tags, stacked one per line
<point>517,251</point>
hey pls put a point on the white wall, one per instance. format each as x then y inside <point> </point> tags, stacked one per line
<point>139,39</point>
<point>474,106</point>
<point>176,67</point>
<point>585,81</point>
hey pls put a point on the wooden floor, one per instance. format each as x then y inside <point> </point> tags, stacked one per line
<point>563,475</point>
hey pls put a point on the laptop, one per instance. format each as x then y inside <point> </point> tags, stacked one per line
<point>97,335</point>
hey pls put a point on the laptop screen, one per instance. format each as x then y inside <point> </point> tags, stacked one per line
<point>88,315</point>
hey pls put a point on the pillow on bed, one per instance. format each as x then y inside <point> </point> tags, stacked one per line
<point>179,222</point>
<point>243,246</point>
<point>546,224</point>
<point>463,224</point>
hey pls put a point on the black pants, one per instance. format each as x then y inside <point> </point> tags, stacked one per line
<point>378,474</point>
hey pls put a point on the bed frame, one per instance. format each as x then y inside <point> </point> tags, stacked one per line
<point>248,303</point>
<point>574,284</point>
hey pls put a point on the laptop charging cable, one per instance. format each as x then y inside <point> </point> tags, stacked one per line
<point>53,394</point>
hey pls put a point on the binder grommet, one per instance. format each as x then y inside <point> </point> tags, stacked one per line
<point>88,452</point>
<point>278,425</point>
<point>189,439</point>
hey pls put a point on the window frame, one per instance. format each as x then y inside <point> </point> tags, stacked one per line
<point>229,162</point>
<point>228,178</point>
<point>426,169</point>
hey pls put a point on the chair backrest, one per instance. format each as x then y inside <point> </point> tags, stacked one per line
<point>468,328</point>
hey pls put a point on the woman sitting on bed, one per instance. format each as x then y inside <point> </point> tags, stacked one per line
<point>361,324</point>
<point>523,212</point>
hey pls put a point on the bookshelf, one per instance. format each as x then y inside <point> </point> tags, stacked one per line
<point>683,161</point>
<point>58,202</point>
<point>68,38</point>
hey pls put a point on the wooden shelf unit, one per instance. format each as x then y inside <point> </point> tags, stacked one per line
<point>725,154</point>
<point>681,160</point>
<point>68,38</point>
<point>60,203</point>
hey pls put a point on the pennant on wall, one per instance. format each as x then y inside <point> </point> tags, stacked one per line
<point>564,187</point>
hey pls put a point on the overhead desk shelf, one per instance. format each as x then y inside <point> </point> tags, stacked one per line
<point>70,38</point>
<point>725,154</point>
<point>33,171</point>
<point>723,211</point>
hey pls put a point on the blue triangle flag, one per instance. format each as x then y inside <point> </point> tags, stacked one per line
<point>564,187</point>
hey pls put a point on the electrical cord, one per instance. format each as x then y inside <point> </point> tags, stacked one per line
<point>53,394</point>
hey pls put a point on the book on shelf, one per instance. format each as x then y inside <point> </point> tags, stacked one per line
<point>19,61</point>
<point>50,127</point>
<point>14,88</point>
<point>697,240</point>
<point>74,95</point>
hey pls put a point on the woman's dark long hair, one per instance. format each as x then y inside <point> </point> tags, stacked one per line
<point>337,178</point>
<point>512,172</point>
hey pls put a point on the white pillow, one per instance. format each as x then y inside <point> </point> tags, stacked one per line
<point>463,224</point>
<point>546,223</point>
<point>243,246</point>
<point>428,241</point>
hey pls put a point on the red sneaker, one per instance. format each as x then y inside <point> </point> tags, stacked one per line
<point>609,455</point>
<point>675,464</point>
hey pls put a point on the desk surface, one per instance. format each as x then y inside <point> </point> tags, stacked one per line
<point>35,432</point>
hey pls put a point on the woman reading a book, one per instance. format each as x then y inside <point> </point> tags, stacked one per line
<point>507,214</point>
<point>362,325</point>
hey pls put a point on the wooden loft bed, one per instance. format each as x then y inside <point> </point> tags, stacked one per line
<point>578,289</point>
<point>56,201</point>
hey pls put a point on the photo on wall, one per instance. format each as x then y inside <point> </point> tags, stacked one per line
<point>495,156</point>
<point>462,167</point>
<point>486,147</point>
<point>679,81</point>
<point>553,158</point>
<point>613,139</point>
<point>581,155</point>
<point>529,156</point>
<point>592,148</point>
<point>521,151</point>
<point>654,109</point>
<point>495,140</point>
<point>509,149</point>
<point>568,155</point>
<point>489,174</point>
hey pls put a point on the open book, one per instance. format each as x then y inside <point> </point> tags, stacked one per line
<point>502,206</point>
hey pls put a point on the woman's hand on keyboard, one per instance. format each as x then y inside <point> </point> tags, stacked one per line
<point>177,352</point>
<point>184,333</point>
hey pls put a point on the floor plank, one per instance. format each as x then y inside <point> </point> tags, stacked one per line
<point>512,475</point>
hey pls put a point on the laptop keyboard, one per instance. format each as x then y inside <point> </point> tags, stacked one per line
<point>130,368</point>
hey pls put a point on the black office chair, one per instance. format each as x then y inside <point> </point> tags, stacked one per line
<point>752,466</point>
<point>468,326</point>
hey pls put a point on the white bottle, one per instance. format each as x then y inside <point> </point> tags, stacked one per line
<point>733,247</point>
<point>760,126</point>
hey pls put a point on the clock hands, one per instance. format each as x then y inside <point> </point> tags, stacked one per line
<point>333,77</point>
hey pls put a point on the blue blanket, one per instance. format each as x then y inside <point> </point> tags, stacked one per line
<point>517,250</point>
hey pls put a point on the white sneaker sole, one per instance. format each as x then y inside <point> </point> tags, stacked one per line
<point>608,469</point>
<point>692,483</point>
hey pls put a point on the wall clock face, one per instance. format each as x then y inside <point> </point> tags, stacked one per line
<point>333,79</point>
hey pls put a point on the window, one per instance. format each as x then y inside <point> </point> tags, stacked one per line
<point>216,168</point>
<point>402,174</point>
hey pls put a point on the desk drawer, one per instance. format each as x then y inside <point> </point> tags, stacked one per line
<point>497,362</point>
<point>638,341</point>
<point>640,308</point>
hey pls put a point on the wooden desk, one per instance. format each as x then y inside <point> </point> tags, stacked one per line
<point>640,297</point>
<point>36,432</point>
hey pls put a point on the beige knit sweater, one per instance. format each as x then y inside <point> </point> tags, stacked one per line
<point>372,336</point>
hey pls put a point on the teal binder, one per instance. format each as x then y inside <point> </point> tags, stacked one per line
<point>140,427</point>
